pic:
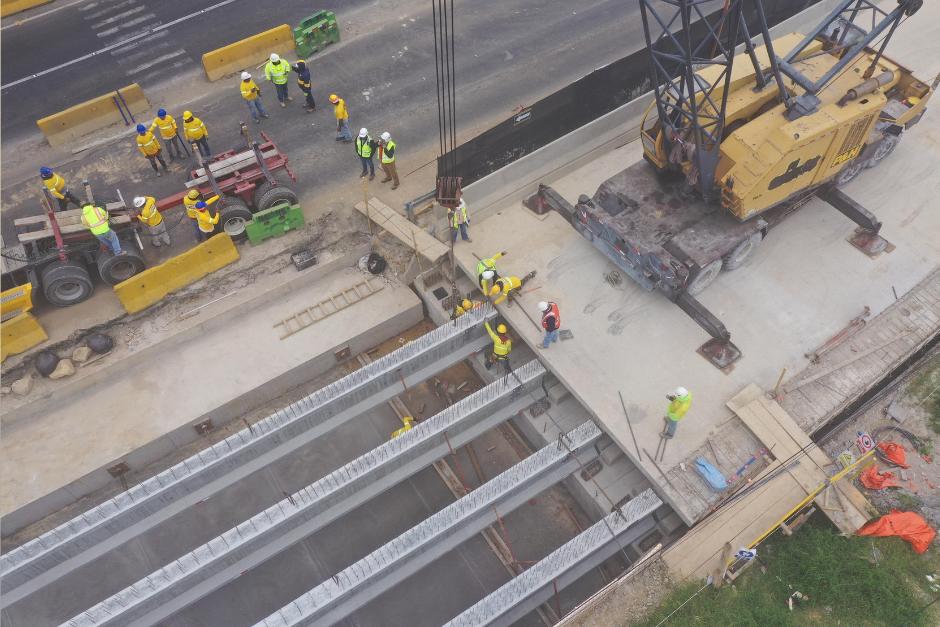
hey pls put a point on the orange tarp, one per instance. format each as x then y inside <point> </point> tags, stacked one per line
<point>906,525</point>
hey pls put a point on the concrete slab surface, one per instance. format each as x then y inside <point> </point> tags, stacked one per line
<point>803,285</point>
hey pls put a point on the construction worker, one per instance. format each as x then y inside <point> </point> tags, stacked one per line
<point>196,133</point>
<point>407,425</point>
<point>459,221</point>
<point>205,220</point>
<point>502,346</point>
<point>169,133</point>
<point>303,81</point>
<point>57,187</point>
<point>679,402</point>
<point>150,148</point>
<point>151,216</point>
<point>365,147</point>
<point>276,71</point>
<point>488,265</point>
<point>387,158</point>
<point>342,119</point>
<point>96,220</point>
<point>551,322</point>
<point>503,286</point>
<point>252,95</point>
<point>465,306</point>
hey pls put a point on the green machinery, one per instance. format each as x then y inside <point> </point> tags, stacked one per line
<point>315,33</point>
<point>275,221</point>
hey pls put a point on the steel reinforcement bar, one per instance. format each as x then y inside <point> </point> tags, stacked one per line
<point>82,539</point>
<point>221,560</point>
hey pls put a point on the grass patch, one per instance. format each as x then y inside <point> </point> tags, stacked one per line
<point>844,585</point>
<point>924,389</point>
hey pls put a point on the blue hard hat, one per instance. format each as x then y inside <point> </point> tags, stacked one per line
<point>45,172</point>
<point>141,129</point>
<point>161,113</point>
<point>201,204</point>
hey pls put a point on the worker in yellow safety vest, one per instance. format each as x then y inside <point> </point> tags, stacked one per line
<point>205,220</point>
<point>502,346</point>
<point>679,402</point>
<point>459,221</point>
<point>189,202</point>
<point>252,95</point>
<point>58,189</point>
<point>169,133</point>
<point>276,71</point>
<point>149,147</point>
<point>196,133</point>
<point>365,146</point>
<point>488,265</point>
<point>151,216</point>
<point>387,148</point>
<point>465,306</point>
<point>95,219</point>
<point>343,134</point>
<point>407,425</point>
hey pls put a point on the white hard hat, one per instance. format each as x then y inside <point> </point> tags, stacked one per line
<point>139,201</point>
<point>363,132</point>
<point>386,136</point>
<point>488,274</point>
<point>274,57</point>
<point>245,76</point>
<point>543,306</point>
<point>681,392</point>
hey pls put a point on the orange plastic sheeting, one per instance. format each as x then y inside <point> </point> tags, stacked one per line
<point>874,480</point>
<point>894,452</point>
<point>906,525</point>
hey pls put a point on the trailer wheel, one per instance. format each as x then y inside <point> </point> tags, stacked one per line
<point>66,283</point>
<point>114,269</point>
<point>742,252</point>
<point>704,278</point>
<point>267,196</point>
<point>884,148</point>
<point>235,217</point>
<point>848,173</point>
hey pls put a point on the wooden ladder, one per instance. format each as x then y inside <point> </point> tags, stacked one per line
<point>330,305</point>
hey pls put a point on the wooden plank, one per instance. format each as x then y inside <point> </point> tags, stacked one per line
<point>227,166</point>
<point>29,220</point>
<point>69,228</point>
<point>412,236</point>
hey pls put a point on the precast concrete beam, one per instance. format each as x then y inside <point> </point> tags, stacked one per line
<point>193,576</point>
<point>567,564</point>
<point>34,565</point>
<point>389,565</point>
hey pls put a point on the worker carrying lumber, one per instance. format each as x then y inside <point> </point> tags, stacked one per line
<point>343,134</point>
<point>205,220</point>
<point>488,265</point>
<point>303,81</point>
<point>57,187</point>
<point>551,322</point>
<point>95,219</point>
<point>276,71</point>
<point>365,147</point>
<point>387,153</point>
<point>196,133</point>
<point>149,147</point>
<point>169,134</point>
<point>464,306</point>
<point>679,402</point>
<point>151,216</point>
<point>457,217</point>
<point>252,96</point>
<point>502,346</point>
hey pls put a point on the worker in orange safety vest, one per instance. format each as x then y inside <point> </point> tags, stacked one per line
<point>551,322</point>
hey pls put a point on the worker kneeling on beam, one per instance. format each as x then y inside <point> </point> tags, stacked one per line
<point>502,346</point>
<point>503,286</point>
<point>488,266</point>
<point>679,402</point>
<point>151,216</point>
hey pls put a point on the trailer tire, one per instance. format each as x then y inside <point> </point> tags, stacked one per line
<point>848,173</point>
<point>115,269</point>
<point>66,283</point>
<point>235,218</point>
<point>267,196</point>
<point>884,148</point>
<point>742,252</point>
<point>704,278</point>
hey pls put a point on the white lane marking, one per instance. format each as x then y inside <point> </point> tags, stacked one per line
<point>97,14</point>
<point>123,38</point>
<point>90,5</point>
<point>128,24</point>
<point>153,62</point>
<point>171,71</point>
<point>118,17</point>
<point>142,53</point>
<point>124,49</point>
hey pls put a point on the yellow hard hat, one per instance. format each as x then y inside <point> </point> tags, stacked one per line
<point>334,98</point>
<point>193,194</point>
<point>494,291</point>
<point>466,304</point>
<point>913,100</point>
<point>187,115</point>
<point>501,328</point>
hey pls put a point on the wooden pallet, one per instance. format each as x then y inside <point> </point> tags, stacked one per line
<point>329,306</point>
<point>69,222</point>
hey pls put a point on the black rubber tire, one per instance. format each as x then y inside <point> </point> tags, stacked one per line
<point>46,363</point>
<point>100,343</point>
<point>884,148</point>
<point>235,217</point>
<point>66,283</point>
<point>847,174</point>
<point>742,252</point>
<point>376,263</point>
<point>704,278</point>
<point>115,269</point>
<point>272,196</point>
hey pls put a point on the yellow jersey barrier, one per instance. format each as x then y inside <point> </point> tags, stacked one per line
<point>89,116</point>
<point>16,300</point>
<point>153,284</point>
<point>9,7</point>
<point>248,54</point>
<point>20,333</point>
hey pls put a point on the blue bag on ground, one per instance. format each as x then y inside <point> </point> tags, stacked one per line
<point>711,475</point>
